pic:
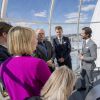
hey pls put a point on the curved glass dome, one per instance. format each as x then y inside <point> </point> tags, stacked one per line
<point>72,15</point>
<point>36,13</point>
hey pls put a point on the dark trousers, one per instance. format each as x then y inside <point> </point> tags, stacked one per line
<point>67,62</point>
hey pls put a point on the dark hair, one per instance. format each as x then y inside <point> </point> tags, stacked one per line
<point>88,31</point>
<point>58,28</point>
<point>4,27</point>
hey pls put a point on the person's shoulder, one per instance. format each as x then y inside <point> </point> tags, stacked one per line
<point>2,48</point>
<point>4,52</point>
<point>54,38</point>
<point>36,60</point>
<point>65,37</point>
<point>92,42</point>
<point>47,41</point>
<point>5,62</point>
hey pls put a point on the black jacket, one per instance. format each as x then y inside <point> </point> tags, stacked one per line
<point>40,53</point>
<point>3,54</point>
<point>63,50</point>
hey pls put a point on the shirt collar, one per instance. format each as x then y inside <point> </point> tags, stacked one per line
<point>60,38</point>
<point>87,40</point>
<point>3,45</point>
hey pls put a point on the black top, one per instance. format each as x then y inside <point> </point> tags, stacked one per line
<point>62,50</point>
<point>3,54</point>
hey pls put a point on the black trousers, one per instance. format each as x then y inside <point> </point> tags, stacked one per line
<point>51,69</point>
<point>67,62</point>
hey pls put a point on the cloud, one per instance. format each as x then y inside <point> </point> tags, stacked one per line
<point>75,20</point>
<point>41,14</point>
<point>88,7</point>
<point>88,0</point>
<point>24,24</point>
<point>73,17</point>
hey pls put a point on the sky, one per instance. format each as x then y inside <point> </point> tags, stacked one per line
<point>36,14</point>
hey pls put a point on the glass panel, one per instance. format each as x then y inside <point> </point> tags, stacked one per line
<point>65,10</point>
<point>67,28</point>
<point>35,14</point>
<point>30,10</point>
<point>0,4</point>
<point>87,10</point>
<point>33,26</point>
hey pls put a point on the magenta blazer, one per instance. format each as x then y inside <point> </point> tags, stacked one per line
<point>24,76</point>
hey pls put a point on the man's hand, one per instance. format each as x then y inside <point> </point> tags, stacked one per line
<point>61,60</point>
<point>81,56</point>
<point>50,63</point>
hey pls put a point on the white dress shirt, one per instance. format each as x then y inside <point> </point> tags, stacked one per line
<point>60,39</point>
<point>87,40</point>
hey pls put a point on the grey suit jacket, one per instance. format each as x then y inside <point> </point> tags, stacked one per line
<point>89,51</point>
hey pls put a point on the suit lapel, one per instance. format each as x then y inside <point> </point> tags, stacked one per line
<point>57,41</point>
<point>84,44</point>
<point>87,44</point>
<point>48,49</point>
<point>41,51</point>
<point>62,40</point>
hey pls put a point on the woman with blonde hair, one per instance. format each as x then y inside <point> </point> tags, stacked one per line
<point>23,75</point>
<point>60,85</point>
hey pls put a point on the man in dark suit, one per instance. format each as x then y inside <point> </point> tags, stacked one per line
<point>89,52</point>
<point>62,48</point>
<point>44,49</point>
<point>4,28</point>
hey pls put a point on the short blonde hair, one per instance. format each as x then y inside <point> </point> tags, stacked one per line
<point>20,40</point>
<point>60,85</point>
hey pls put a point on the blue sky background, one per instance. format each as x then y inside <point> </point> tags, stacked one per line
<point>26,12</point>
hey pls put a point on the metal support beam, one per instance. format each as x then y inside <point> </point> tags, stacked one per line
<point>78,27</point>
<point>4,8</point>
<point>50,18</point>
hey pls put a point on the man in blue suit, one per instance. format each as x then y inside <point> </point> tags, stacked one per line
<point>62,48</point>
